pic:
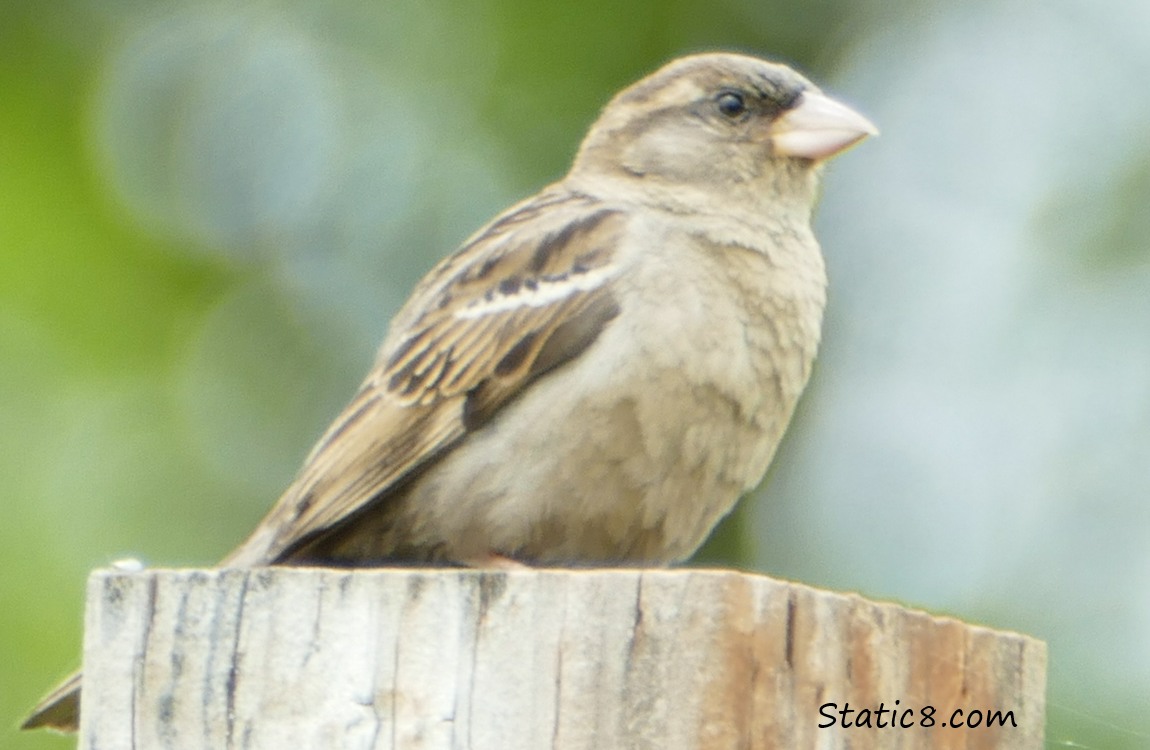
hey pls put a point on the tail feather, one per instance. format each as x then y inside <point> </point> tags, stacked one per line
<point>60,709</point>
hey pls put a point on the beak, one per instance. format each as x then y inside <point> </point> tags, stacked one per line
<point>817,128</point>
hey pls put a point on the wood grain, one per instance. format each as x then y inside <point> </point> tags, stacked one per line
<point>560,659</point>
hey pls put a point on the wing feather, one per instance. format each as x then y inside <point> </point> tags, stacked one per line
<point>527,293</point>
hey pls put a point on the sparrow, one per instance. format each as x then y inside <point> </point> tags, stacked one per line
<point>598,374</point>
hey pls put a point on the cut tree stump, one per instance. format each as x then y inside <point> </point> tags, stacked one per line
<point>627,659</point>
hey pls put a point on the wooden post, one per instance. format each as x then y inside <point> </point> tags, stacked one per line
<point>558,659</point>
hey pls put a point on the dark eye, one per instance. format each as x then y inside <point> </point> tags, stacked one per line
<point>731,104</point>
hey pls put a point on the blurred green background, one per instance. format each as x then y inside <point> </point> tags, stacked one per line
<point>208,213</point>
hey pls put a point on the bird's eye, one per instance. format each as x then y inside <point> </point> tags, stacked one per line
<point>731,104</point>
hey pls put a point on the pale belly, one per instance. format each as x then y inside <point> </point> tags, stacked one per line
<point>637,469</point>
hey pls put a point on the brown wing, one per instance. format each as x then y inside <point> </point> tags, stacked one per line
<point>527,293</point>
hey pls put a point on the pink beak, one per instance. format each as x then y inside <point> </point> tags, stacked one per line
<point>818,127</point>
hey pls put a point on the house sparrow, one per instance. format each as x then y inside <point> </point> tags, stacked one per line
<point>600,372</point>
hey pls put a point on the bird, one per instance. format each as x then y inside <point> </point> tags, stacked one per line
<point>598,374</point>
